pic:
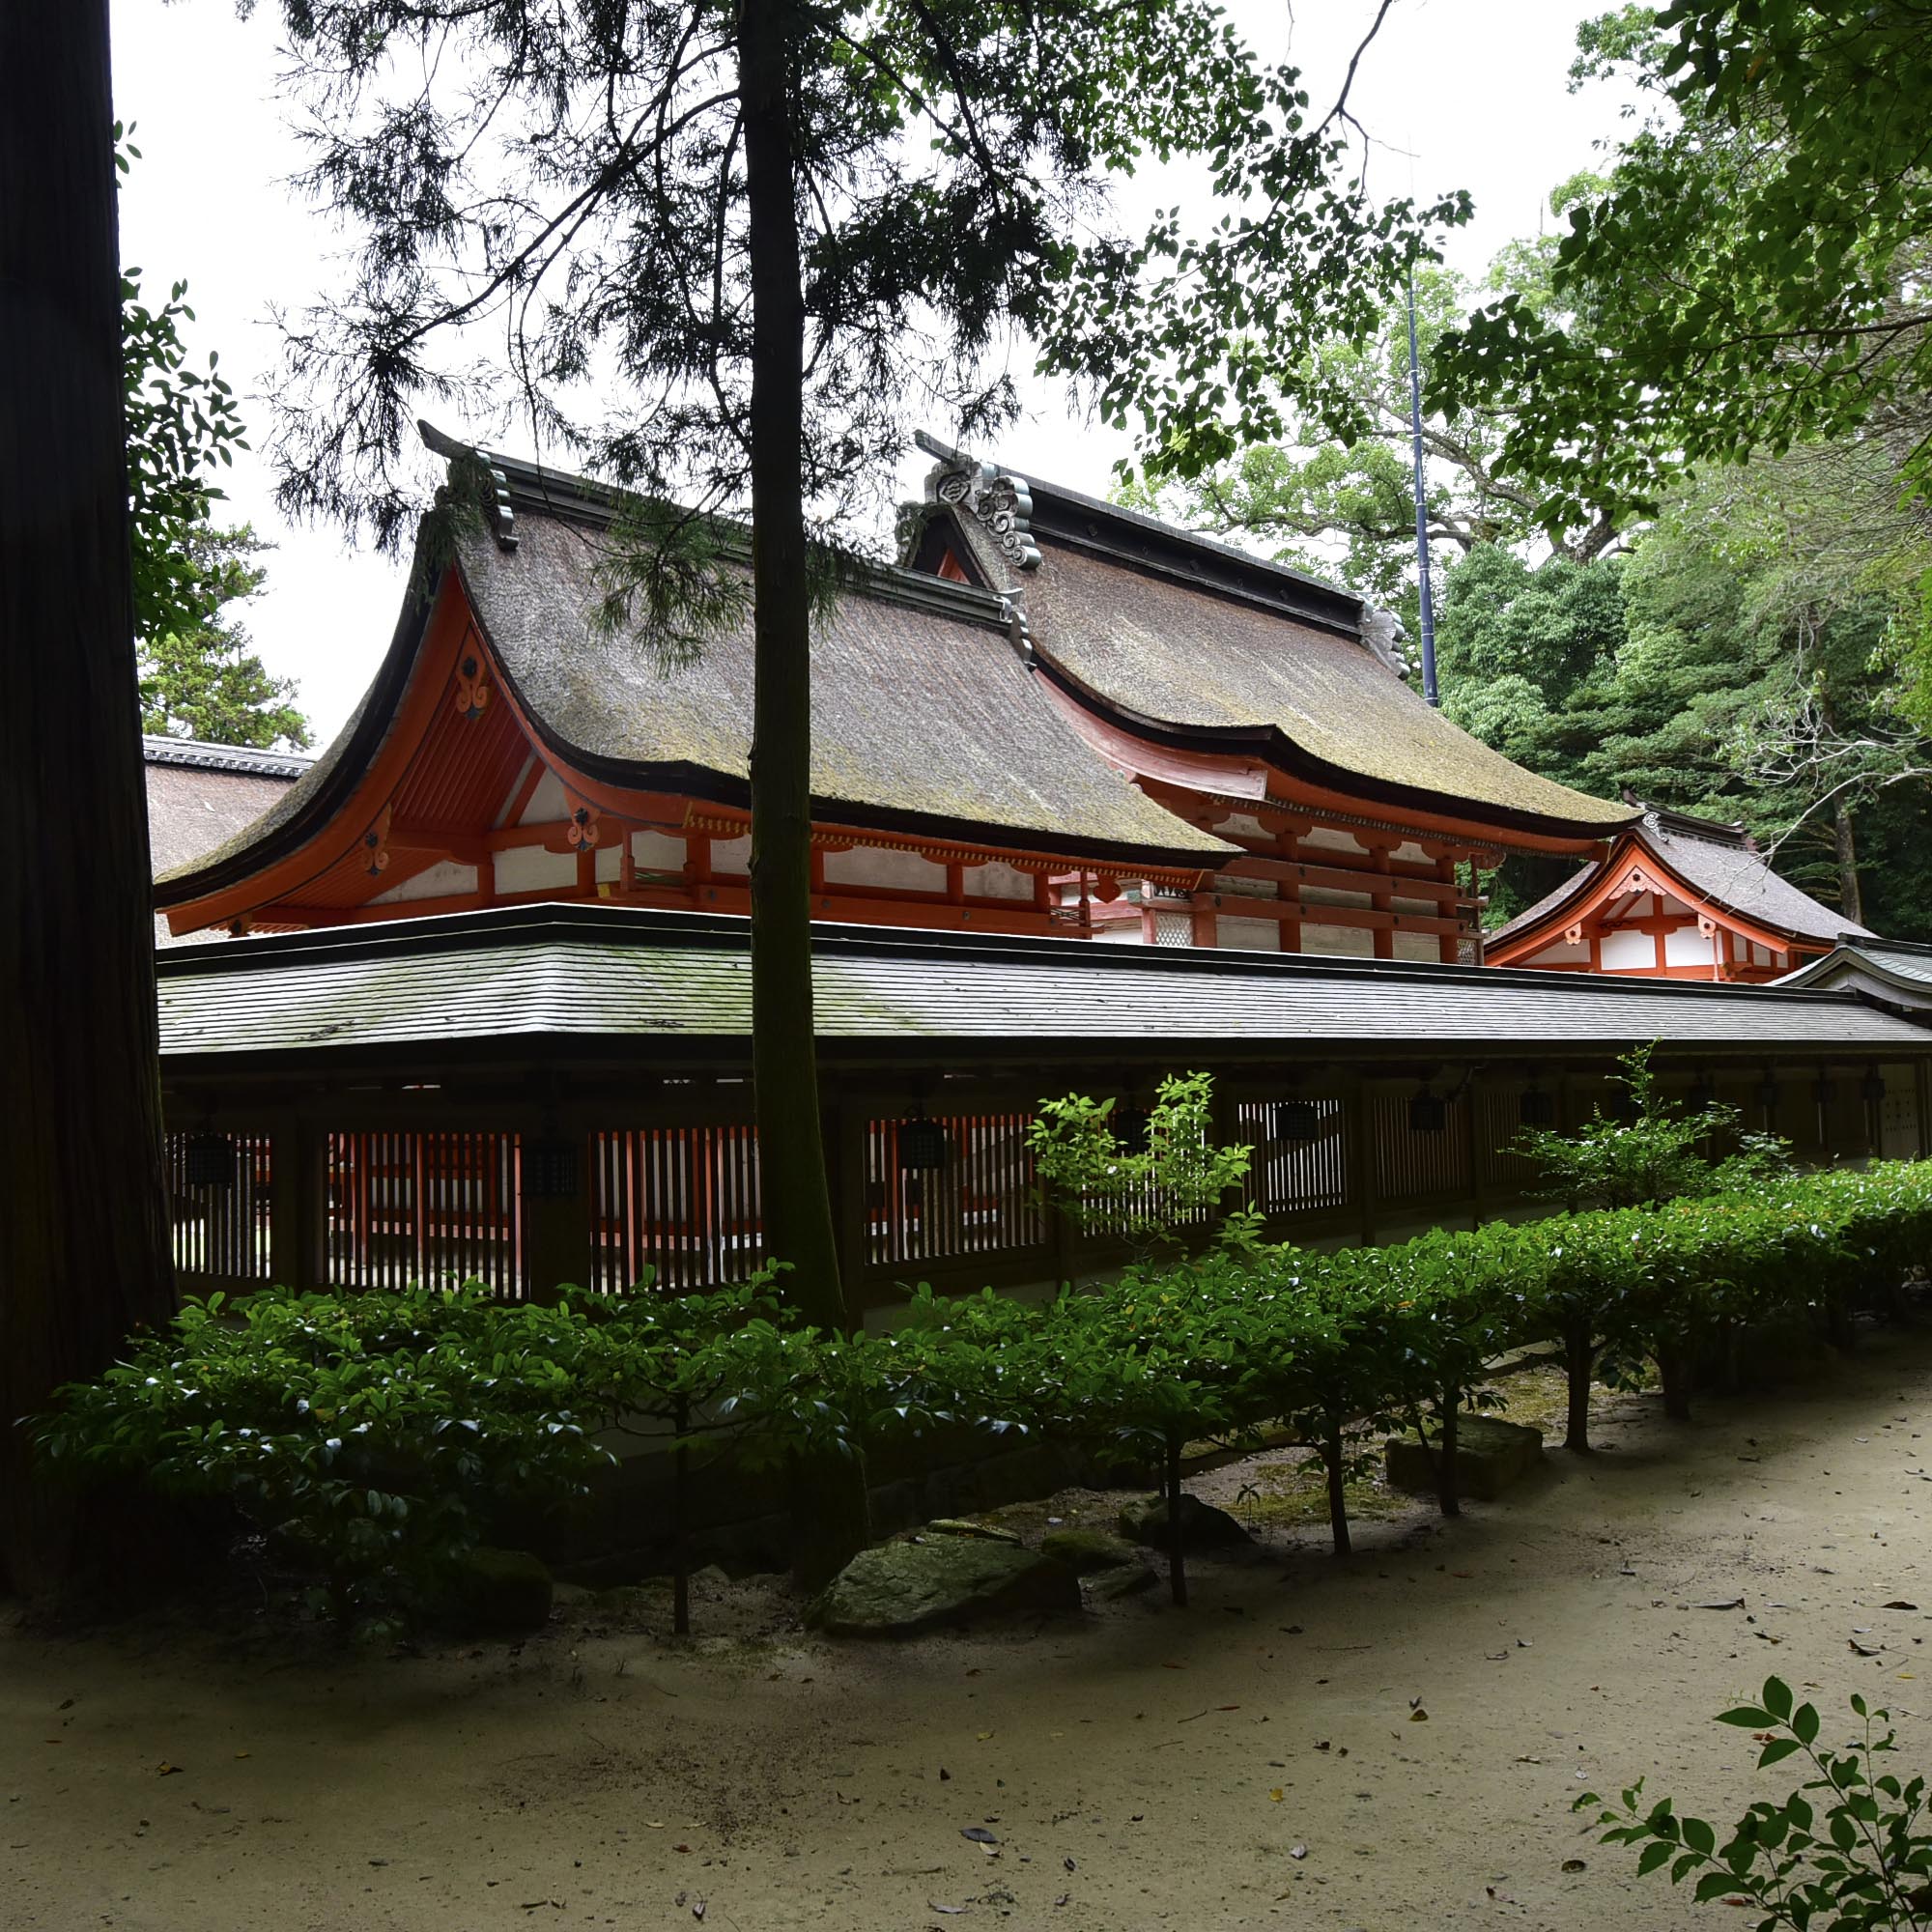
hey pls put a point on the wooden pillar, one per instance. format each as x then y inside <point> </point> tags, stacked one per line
<point>1472,1100</point>
<point>1362,1157</point>
<point>1921,1093</point>
<point>297,1192</point>
<point>556,1228</point>
<point>845,1149</point>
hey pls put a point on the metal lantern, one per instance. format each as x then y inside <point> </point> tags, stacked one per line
<point>208,1160</point>
<point>1132,1127</point>
<point>1769,1093</point>
<point>1701,1095</point>
<point>551,1169</point>
<point>1428,1113</point>
<point>1871,1088</point>
<point>1296,1122</point>
<point>922,1148</point>
<point>1534,1108</point>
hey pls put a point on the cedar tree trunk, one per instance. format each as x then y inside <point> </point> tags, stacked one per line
<point>829,1494</point>
<point>1845,848</point>
<point>796,1200</point>
<point>83,1221</point>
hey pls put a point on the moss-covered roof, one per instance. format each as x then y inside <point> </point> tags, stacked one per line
<point>921,707</point>
<point>1183,634</point>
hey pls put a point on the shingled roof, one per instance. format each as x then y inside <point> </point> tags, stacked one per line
<point>672,983</point>
<point>1193,642</point>
<point>202,797</point>
<point>1720,864</point>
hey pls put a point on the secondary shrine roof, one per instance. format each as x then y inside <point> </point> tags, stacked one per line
<point>1720,865</point>
<point>478,982</point>
<point>1193,640</point>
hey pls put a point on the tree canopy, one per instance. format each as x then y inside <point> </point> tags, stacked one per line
<point>1755,260</point>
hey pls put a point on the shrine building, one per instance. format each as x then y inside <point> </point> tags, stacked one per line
<point>1094,801</point>
<point>1675,898</point>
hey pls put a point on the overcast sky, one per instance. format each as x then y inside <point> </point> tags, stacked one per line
<point>1464,92</point>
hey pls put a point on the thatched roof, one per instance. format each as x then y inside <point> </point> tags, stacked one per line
<point>1199,642</point>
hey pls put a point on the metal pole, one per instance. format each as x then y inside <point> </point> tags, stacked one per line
<point>1429,690</point>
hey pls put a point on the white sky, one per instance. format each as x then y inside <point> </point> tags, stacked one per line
<point>1473,89</point>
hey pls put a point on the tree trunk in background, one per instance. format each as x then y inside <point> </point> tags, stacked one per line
<point>796,1200</point>
<point>1845,847</point>
<point>795,1197</point>
<point>83,1221</point>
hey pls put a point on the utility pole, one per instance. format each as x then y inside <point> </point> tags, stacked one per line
<point>1429,690</point>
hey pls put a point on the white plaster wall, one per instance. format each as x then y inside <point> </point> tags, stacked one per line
<point>1331,839</point>
<point>731,856</point>
<point>441,880</point>
<point>1120,932</point>
<point>999,881</point>
<point>1686,946</point>
<point>1562,953</point>
<point>1321,895</point>
<point>1418,946</point>
<point>1411,853</point>
<point>530,869</point>
<point>610,864</point>
<point>1624,951</point>
<point>1248,935</point>
<point>548,804</point>
<point>870,865</point>
<point>1244,825</point>
<point>657,852</point>
<point>1353,942</point>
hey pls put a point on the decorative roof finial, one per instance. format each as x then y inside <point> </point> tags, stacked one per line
<point>1001,501</point>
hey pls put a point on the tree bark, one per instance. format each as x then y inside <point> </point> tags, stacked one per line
<point>1579,1363</point>
<point>1845,849</point>
<point>83,1217</point>
<point>1338,1489</point>
<point>1177,1525</point>
<point>796,1198</point>
<point>795,1194</point>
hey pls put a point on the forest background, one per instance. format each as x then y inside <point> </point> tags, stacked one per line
<point>1716,599</point>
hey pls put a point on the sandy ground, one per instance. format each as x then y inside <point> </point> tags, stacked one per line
<point>1139,1767</point>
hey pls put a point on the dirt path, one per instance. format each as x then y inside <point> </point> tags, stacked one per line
<point>1127,1763</point>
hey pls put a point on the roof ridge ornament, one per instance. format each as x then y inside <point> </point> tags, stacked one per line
<point>1000,501</point>
<point>471,467</point>
<point>1384,635</point>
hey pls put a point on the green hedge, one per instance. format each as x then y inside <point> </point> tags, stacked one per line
<point>375,1432</point>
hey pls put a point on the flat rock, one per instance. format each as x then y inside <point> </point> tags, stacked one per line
<point>1491,1455</point>
<point>1126,1580</point>
<point>498,1592</point>
<point>898,1588</point>
<point>1202,1526</point>
<point>959,1525</point>
<point>1088,1552</point>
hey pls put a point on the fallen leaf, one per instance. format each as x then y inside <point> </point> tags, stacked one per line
<point>979,1834</point>
<point>1277,1795</point>
<point>1418,1715</point>
<point>984,1735</point>
<point>1731,1603</point>
<point>951,1910</point>
<point>1575,1865</point>
<point>1859,1648</point>
<point>1297,1851</point>
<point>1898,1603</point>
<point>167,1769</point>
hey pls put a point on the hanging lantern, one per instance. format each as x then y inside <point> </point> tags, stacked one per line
<point>922,1145</point>
<point>551,1169</point>
<point>1534,1108</point>
<point>1769,1093</point>
<point>1132,1126</point>
<point>1871,1089</point>
<point>1296,1122</point>
<point>1428,1113</point>
<point>208,1160</point>
<point>1701,1095</point>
